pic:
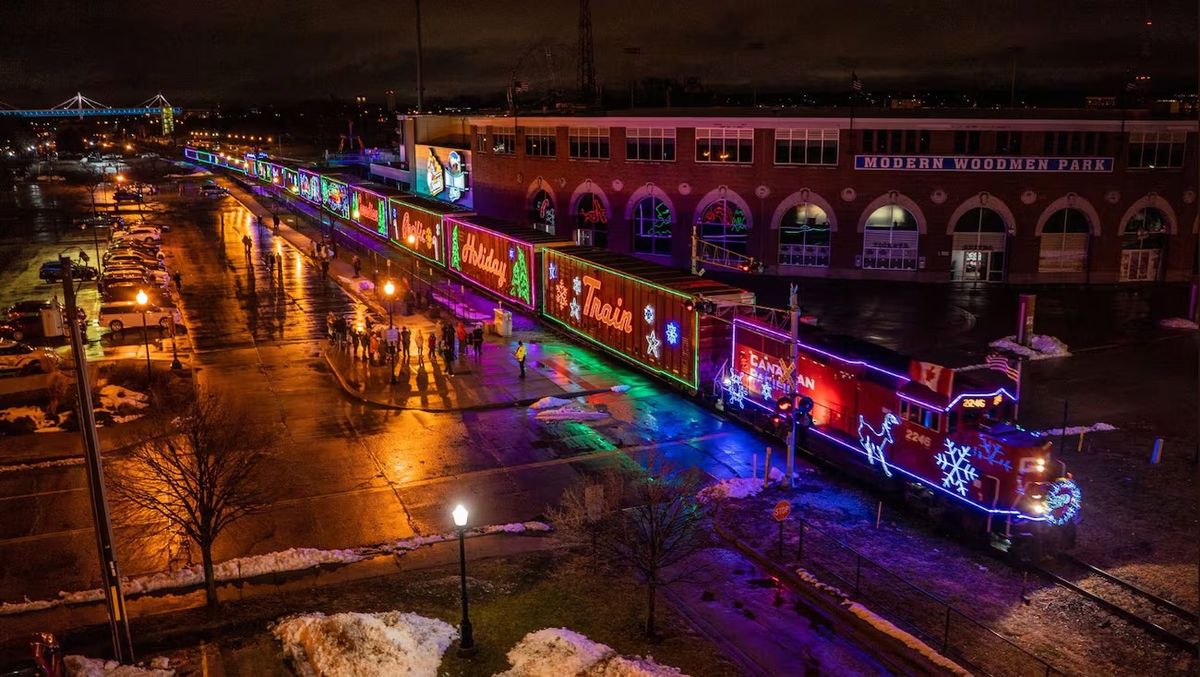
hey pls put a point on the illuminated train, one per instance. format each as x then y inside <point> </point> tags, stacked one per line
<point>941,437</point>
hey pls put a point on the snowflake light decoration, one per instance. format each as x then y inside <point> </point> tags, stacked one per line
<point>737,393</point>
<point>577,285</point>
<point>766,389</point>
<point>512,253</point>
<point>672,334</point>
<point>648,314</point>
<point>957,471</point>
<point>576,310</point>
<point>653,345</point>
<point>560,295</point>
<point>552,271</point>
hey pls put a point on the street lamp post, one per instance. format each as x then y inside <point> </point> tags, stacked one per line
<point>175,363</point>
<point>466,646</point>
<point>389,290</point>
<point>142,301</point>
<point>412,276</point>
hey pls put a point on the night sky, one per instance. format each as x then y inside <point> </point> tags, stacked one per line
<point>194,51</point>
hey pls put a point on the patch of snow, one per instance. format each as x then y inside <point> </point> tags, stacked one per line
<point>737,487</point>
<point>1076,429</point>
<point>549,403</point>
<point>886,627</point>
<point>553,652</point>
<point>60,463</point>
<point>1177,323</point>
<point>619,388</point>
<point>354,644</point>
<point>36,414</point>
<point>82,666</point>
<point>1042,347</point>
<point>573,412</point>
<point>112,397</point>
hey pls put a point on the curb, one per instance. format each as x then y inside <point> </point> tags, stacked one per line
<point>525,402</point>
<point>893,651</point>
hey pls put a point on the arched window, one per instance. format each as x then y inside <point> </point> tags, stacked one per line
<point>652,221</point>
<point>541,211</point>
<point>723,223</point>
<point>977,251</point>
<point>890,239</point>
<point>591,221</point>
<point>1064,247</point>
<point>804,236</point>
<point>1142,242</point>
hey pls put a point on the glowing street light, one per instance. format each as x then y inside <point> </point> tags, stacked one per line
<point>466,646</point>
<point>142,304</point>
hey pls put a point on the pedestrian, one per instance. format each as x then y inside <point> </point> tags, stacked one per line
<point>431,341</point>
<point>270,262</point>
<point>357,263</point>
<point>370,324</point>
<point>178,277</point>
<point>520,355</point>
<point>329,321</point>
<point>410,301</point>
<point>354,345</point>
<point>420,348</point>
<point>324,268</point>
<point>260,223</point>
<point>339,331</point>
<point>374,346</point>
<point>405,339</point>
<point>313,251</point>
<point>275,221</point>
<point>460,333</point>
<point>279,265</point>
<point>477,339</point>
<point>448,357</point>
<point>246,242</point>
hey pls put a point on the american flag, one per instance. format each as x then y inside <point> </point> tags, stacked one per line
<point>855,83</point>
<point>1001,363</point>
<point>521,85</point>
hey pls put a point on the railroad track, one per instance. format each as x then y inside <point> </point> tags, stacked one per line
<point>1157,616</point>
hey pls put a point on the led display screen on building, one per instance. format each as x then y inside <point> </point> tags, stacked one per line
<point>335,197</point>
<point>496,262</point>
<point>369,210</point>
<point>417,230</point>
<point>310,186</point>
<point>444,174</point>
<point>638,320</point>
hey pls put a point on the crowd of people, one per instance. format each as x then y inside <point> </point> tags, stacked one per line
<point>379,344</point>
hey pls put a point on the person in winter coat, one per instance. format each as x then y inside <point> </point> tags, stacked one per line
<point>520,355</point>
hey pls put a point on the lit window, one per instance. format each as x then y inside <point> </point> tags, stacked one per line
<point>724,224</point>
<point>504,143</point>
<point>890,239</point>
<point>652,220</point>
<point>804,236</point>
<point>725,145</point>
<point>541,142</point>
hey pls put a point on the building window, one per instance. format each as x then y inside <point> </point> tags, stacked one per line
<point>588,143</point>
<point>591,221</point>
<point>804,236</point>
<point>907,141</point>
<point>890,239</point>
<point>541,141</point>
<point>654,144</point>
<point>966,143</point>
<point>1064,245</point>
<point>541,211</point>
<point>1008,143</point>
<point>1074,143</point>
<point>806,147</point>
<point>922,416</point>
<point>1156,150</point>
<point>652,220</point>
<point>504,143</point>
<point>481,142</point>
<point>724,224</point>
<point>725,145</point>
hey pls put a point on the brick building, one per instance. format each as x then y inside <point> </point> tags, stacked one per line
<point>1051,196</point>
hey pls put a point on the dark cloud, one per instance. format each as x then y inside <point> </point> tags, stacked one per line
<point>257,50</point>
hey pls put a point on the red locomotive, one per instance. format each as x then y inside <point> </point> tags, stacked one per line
<point>943,436</point>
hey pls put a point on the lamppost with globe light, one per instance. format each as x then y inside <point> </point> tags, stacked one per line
<point>142,304</point>
<point>389,290</point>
<point>412,277</point>
<point>466,646</point>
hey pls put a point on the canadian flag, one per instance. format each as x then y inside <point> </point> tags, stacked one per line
<point>937,378</point>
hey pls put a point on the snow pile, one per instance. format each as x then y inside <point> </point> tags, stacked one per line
<point>21,467</point>
<point>738,487</point>
<point>886,627</point>
<point>124,404</point>
<point>1177,323</point>
<point>1076,429</point>
<point>40,423</point>
<point>573,412</point>
<point>549,403</point>
<point>354,644</point>
<point>553,652</point>
<point>1042,347</point>
<point>82,666</point>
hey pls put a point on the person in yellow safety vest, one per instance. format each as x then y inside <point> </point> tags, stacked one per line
<point>520,354</point>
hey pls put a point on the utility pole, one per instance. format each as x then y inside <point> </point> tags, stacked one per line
<point>118,622</point>
<point>420,68</point>
<point>794,316</point>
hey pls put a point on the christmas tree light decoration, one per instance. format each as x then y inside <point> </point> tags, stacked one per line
<point>520,277</point>
<point>653,344</point>
<point>1063,501</point>
<point>957,471</point>
<point>577,285</point>
<point>673,333</point>
<point>576,309</point>
<point>648,314</point>
<point>876,441</point>
<point>455,255</point>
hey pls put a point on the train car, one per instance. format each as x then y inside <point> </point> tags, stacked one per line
<point>310,186</point>
<point>416,227</point>
<point>943,436</point>
<point>644,313</point>
<point>335,194</point>
<point>499,257</point>
<point>291,180</point>
<point>369,207</point>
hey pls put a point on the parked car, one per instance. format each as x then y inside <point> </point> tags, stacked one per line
<point>135,258</point>
<point>117,315</point>
<point>212,190</point>
<point>36,654</point>
<point>136,276</point>
<point>128,291</point>
<point>52,271</point>
<point>22,358</point>
<point>126,196</point>
<point>101,220</point>
<point>155,275</point>
<point>139,234</point>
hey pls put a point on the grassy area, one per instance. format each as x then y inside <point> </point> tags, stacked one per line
<point>510,597</point>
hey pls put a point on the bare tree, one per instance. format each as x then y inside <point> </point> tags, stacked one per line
<point>200,478</point>
<point>657,532</point>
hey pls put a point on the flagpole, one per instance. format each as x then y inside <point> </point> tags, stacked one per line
<point>1017,403</point>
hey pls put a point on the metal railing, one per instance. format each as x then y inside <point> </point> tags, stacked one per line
<point>815,255</point>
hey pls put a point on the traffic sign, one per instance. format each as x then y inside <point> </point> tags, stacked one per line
<point>782,510</point>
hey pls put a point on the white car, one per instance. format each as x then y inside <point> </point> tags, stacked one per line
<point>119,315</point>
<point>20,358</point>
<point>139,234</point>
<point>160,277</point>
